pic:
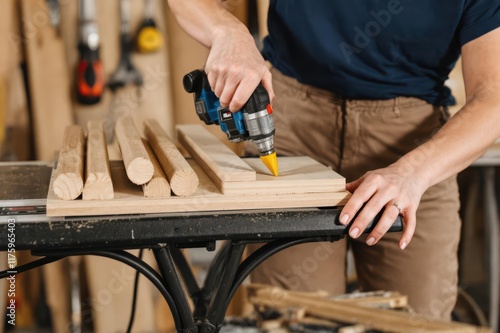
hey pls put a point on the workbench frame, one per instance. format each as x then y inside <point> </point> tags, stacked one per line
<point>166,235</point>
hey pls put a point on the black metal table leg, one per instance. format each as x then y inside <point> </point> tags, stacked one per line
<point>197,294</point>
<point>216,268</point>
<point>173,285</point>
<point>217,306</point>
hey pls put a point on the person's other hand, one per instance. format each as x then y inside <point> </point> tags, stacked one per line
<point>235,67</point>
<point>390,187</point>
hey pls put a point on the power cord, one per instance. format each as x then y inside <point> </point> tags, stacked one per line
<point>134,297</point>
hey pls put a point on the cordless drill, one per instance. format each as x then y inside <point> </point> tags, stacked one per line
<point>254,122</point>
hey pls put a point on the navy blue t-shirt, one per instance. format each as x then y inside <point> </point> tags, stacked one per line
<point>375,49</point>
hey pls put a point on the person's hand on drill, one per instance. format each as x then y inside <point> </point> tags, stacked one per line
<point>234,66</point>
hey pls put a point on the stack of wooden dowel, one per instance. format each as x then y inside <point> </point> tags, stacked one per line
<point>155,163</point>
<point>214,178</point>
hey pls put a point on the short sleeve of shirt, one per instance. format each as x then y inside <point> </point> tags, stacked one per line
<point>479,17</point>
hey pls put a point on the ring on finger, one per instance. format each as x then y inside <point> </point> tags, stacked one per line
<point>398,207</point>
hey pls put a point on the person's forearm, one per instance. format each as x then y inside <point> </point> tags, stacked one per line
<point>204,20</point>
<point>460,142</point>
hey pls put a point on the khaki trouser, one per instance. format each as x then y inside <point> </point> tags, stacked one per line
<point>353,137</point>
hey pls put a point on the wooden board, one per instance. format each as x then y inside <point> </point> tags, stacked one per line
<point>3,107</point>
<point>129,198</point>
<point>48,80</point>
<point>262,8</point>
<point>210,153</point>
<point>10,39</point>
<point>306,176</point>
<point>17,141</point>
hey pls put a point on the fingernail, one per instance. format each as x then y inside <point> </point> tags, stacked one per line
<point>354,232</point>
<point>344,219</point>
<point>403,245</point>
<point>370,241</point>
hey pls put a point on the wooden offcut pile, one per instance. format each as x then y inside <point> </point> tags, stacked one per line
<point>303,312</point>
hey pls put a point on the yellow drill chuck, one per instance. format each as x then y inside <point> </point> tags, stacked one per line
<point>271,162</point>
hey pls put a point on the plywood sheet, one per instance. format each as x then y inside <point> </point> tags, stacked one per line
<point>129,198</point>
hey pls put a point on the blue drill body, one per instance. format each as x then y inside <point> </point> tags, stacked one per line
<point>207,103</point>
<point>254,122</point>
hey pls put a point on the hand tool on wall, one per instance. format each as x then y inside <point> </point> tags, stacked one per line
<point>89,79</point>
<point>126,73</point>
<point>54,13</point>
<point>254,122</point>
<point>149,38</point>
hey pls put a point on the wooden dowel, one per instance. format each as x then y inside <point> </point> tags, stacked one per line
<point>68,184</point>
<point>158,186</point>
<point>137,163</point>
<point>182,178</point>
<point>98,184</point>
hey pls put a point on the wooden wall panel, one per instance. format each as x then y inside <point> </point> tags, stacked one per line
<point>48,79</point>
<point>457,86</point>
<point>16,124</point>
<point>10,40</point>
<point>262,7</point>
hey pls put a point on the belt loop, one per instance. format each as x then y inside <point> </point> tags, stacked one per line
<point>307,91</point>
<point>396,109</point>
<point>445,114</point>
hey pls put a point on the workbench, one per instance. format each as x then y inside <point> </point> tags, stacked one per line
<point>23,191</point>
